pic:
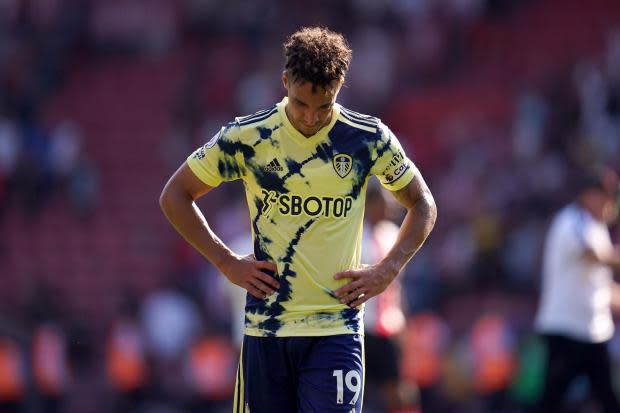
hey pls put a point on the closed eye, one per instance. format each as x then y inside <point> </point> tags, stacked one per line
<point>326,106</point>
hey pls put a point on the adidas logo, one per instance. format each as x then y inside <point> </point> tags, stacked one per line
<point>274,166</point>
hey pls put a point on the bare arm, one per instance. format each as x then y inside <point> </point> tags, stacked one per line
<point>611,259</point>
<point>416,226</point>
<point>177,203</point>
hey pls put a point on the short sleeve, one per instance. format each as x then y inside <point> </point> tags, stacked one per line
<point>589,234</point>
<point>392,167</point>
<point>575,234</point>
<point>218,160</point>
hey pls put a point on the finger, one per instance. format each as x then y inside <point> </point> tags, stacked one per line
<point>255,292</point>
<point>347,288</point>
<point>266,265</point>
<point>264,288</point>
<point>361,300</point>
<point>267,279</point>
<point>346,274</point>
<point>352,296</point>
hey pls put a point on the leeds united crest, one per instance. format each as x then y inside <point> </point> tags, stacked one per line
<point>342,164</point>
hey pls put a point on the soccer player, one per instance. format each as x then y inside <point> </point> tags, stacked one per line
<point>305,164</point>
<point>574,317</point>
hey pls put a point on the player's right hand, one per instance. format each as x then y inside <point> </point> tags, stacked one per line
<point>246,272</point>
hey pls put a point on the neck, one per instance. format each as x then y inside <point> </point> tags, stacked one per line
<point>585,203</point>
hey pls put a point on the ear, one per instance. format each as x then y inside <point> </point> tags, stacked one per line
<point>338,86</point>
<point>285,79</point>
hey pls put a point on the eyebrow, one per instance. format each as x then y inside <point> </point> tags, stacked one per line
<point>325,106</point>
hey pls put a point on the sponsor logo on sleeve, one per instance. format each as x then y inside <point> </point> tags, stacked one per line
<point>200,153</point>
<point>213,140</point>
<point>396,168</point>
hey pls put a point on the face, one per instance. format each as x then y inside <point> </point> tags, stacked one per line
<point>309,110</point>
<point>610,210</point>
<point>603,206</point>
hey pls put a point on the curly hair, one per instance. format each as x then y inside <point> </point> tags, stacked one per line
<point>317,55</point>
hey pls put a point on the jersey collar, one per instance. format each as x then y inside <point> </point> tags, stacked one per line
<point>298,136</point>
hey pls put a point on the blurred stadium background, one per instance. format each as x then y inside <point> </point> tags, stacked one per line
<point>104,308</point>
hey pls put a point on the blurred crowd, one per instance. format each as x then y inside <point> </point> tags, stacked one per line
<point>468,297</point>
<point>37,160</point>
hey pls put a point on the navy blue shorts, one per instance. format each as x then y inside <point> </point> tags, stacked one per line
<point>300,374</point>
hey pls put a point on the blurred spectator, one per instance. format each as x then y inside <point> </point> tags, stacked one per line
<point>492,346</point>
<point>596,124</point>
<point>13,384</point>
<point>49,358</point>
<point>50,365</point>
<point>65,150</point>
<point>72,170</point>
<point>424,344</point>
<point>126,362</point>
<point>36,179</point>
<point>9,157</point>
<point>574,317</point>
<point>529,126</point>
<point>521,252</point>
<point>84,188</point>
<point>529,379</point>
<point>171,321</point>
<point>211,372</point>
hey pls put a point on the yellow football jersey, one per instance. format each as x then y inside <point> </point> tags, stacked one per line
<point>306,201</point>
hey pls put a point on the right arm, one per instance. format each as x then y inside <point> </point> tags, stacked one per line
<point>177,202</point>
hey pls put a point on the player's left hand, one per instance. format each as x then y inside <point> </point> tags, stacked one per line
<point>367,282</point>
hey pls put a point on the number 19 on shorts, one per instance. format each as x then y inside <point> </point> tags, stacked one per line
<point>353,382</point>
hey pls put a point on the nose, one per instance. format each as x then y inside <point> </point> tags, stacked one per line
<point>311,117</point>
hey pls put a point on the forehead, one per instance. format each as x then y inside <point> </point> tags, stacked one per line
<point>307,91</point>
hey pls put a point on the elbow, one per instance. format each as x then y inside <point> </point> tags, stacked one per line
<point>166,200</point>
<point>433,212</point>
<point>425,211</point>
<point>172,198</point>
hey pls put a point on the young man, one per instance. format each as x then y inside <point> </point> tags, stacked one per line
<point>574,317</point>
<point>305,164</point>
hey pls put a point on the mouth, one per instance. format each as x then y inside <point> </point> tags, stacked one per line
<point>307,130</point>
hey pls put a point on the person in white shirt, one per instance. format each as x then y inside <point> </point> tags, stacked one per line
<point>574,316</point>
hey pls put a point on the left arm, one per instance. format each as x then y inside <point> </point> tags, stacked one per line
<point>610,259</point>
<point>372,280</point>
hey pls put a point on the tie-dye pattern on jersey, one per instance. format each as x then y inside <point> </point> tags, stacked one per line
<point>306,201</point>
